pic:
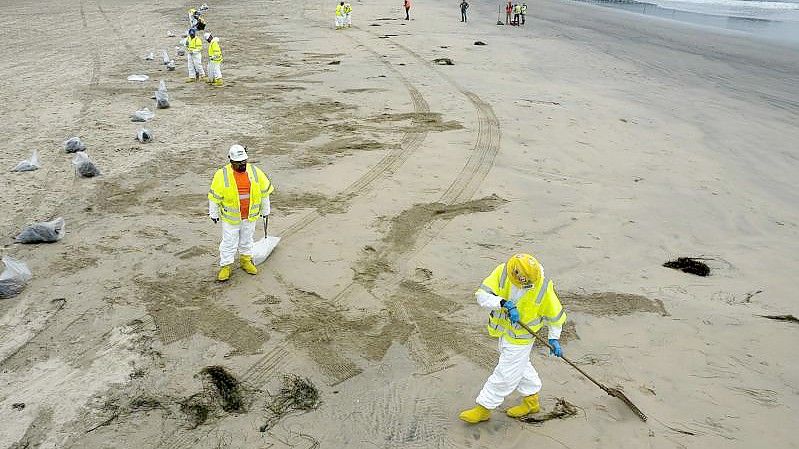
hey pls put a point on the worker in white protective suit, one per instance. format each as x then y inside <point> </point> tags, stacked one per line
<point>194,56</point>
<point>239,196</point>
<point>340,16</point>
<point>347,15</point>
<point>214,60</point>
<point>516,291</point>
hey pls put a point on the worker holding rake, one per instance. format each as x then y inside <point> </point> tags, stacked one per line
<point>522,300</point>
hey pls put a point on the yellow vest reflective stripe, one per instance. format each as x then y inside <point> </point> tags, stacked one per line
<point>214,51</point>
<point>225,193</point>
<point>537,307</point>
<point>194,44</point>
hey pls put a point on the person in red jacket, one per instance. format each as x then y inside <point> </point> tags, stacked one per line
<point>508,11</point>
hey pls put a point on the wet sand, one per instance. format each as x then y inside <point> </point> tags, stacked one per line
<point>604,145</point>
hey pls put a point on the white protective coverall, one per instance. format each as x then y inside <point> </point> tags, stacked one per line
<point>514,370</point>
<point>214,67</point>
<point>236,237</point>
<point>348,15</point>
<point>194,57</point>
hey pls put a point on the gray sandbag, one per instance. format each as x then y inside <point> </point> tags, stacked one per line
<point>161,99</point>
<point>29,164</point>
<point>142,115</point>
<point>74,145</point>
<point>44,232</point>
<point>144,135</point>
<point>84,165</point>
<point>13,278</point>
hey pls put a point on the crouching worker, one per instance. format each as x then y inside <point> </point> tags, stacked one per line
<point>239,196</point>
<point>516,291</point>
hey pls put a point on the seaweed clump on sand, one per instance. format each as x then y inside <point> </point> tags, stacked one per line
<point>297,394</point>
<point>228,387</point>
<point>690,265</point>
<point>563,409</point>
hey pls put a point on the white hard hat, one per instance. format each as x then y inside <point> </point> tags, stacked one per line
<point>237,153</point>
<point>206,35</point>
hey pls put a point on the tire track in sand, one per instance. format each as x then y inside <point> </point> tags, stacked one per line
<point>462,188</point>
<point>388,165</point>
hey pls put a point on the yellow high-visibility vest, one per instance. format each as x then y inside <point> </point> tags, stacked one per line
<point>339,10</point>
<point>225,193</point>
<point>214,51</point>
<point>537,307</point>
<point>347,8</point>
<point>194,44</point>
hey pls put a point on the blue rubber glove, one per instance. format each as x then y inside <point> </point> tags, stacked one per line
<point>513,313</point>
<point>556,351</point>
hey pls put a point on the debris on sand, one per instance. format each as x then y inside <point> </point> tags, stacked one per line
<point>228,387</point>
<point>18,406</point>
<point>443,61</point>
<point>563,409</point>
<point>479,43</point>
<point>690,265</point>
<point>196,410</point>
<point>296,394</point>
<point>789,318</point>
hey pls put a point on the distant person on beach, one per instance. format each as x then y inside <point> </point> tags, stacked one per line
<point>508,11</point>
<point>464,7</point>
<point>340,16</point>
<point>517,10</point>
<point>347,15</point>
<point>194,56</point>
<point>524,11</point>
<point>214,60</point>
<point>407,5</point>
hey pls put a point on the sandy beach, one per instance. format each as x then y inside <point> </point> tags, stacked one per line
<point>604,142</point>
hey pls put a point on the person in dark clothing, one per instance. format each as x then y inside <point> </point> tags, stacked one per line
<point>464,7</point>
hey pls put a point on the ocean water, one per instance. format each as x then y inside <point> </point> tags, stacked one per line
<point>751,9</point>
<point>775,20</point>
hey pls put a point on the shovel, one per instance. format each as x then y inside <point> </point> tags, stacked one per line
<point>264,247</point>
<point>615,392</point>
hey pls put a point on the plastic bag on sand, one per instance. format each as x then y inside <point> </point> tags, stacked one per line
<point>170,66</point>
<point>84,165</point>
<point>204,7</point>
<point>74,145</point>
<point>162,86</point>
<point>150,56</point>
<point>161,99</point>
<point>165,57</point>
<point>263,248</point>
<point>180,51</point>
<point>144,135</point>
<point>45,232</point>
<point>138,78</point>
<point>13,278</point>
<point>142,115</point>
<point>30,164</point>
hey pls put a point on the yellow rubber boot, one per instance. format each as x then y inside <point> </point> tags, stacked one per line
<point>247,265</point>
<point>529,405</point>
<point>224,273</point>
<point>218,82</point>
<point>475,415</point>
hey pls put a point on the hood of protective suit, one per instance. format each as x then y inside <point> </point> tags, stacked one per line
<point>527,266</point>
